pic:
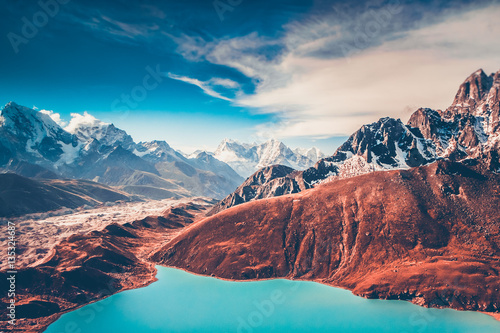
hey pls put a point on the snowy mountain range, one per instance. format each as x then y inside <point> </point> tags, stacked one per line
<point>246,158</point>
<point>467,131</point>
<point>33,144</point>
<point>36,144</point>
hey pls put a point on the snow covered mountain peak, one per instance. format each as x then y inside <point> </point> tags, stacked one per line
<point>83,124</point>
<point>32,125</point>
<point>313,153</point>
<point>230,144</point>
<point>30,134</point>
<point>35,123</point>
<point>157,151</point>
<point>467,129</point>
<point>34,144</point>
<point>247,158</point>
<point>478,95</point>
<point>88,128</point>
<point>382,145</point>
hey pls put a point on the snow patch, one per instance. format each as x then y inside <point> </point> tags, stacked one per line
<point>70,154</point>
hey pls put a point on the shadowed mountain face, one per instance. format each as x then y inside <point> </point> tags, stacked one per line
<point>32,144</point>
<point>270,181</point>
<point>430,235</point>
<point>467,129</point>
<point>20,195</point>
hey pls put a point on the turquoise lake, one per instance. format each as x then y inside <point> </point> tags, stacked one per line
<point>183,302</point>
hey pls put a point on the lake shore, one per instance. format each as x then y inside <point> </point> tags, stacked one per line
<point>295,304</point>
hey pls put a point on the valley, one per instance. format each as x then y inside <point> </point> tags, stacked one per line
<point>39,233</point>
<point>94,262</point>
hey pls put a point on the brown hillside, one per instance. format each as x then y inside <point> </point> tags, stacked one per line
<point>430,235</point>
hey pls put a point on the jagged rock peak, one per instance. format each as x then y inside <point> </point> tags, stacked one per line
<point>475,87</point>
<point>475,95</point>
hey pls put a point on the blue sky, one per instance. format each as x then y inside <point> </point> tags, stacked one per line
<point>195,72</point>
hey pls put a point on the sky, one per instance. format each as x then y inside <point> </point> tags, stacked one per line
<point>192,73</point>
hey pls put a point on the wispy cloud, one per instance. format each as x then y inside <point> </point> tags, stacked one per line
<point>118,24</point>
<point>208,86</point>
<point>247,54</point>
<point>125,29</point>
<point>318,91</point>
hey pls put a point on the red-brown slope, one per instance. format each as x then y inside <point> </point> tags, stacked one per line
<point>430,235</point>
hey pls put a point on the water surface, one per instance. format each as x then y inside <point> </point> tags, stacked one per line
<point>183,302</point>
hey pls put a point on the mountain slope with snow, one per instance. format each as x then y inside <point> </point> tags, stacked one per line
<point>313,153</point>
<point>27,134</point>
<point>468,129</point>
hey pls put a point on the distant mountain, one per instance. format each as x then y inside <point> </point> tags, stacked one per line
<point>32,144</point>
<point>20,195</point>
<point>208,162</point>
<point>248,158</point>
<point>468,129</point>
<point>90,130</point>
<point>158,151</point>
<point>314,154</point>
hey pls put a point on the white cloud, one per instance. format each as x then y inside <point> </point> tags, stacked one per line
<point>85,120</point>
<point>244,54</point>
<point>113,25</point>
<point>55,117</point>
<point>207,86</point>
<point>320,97</point>
<point>226,83</point>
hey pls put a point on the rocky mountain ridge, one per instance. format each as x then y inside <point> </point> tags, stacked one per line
<point>468,129</point>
